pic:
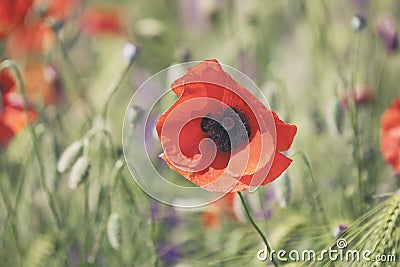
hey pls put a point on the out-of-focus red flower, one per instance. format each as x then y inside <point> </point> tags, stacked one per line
<point>34,37</point>
<point>361,96</point>
<point>12,15</point>
<point>217,211</point>
<point>390,136</point>
<point>95,21</point>
<point>57,9</point>
<point>13,118</point>
<point>7,82</point>
<point>12,121</point>
<point>386,28</point>
<point>220,136</point>
<point>42,83</point>
<point>210,218</point>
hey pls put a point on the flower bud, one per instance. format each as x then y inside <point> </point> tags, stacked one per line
<point>358,22</point>
<point>79,173</point>
<point>339,230</point>
<point>114,231</point>
<point>69,156</point>
<point>386,28</point>
<point>339,115</point>
<point>130,52</point>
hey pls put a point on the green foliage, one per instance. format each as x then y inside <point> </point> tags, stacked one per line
<point>305,57</point>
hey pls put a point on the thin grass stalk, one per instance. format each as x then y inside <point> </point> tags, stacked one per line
<point>317,193</point>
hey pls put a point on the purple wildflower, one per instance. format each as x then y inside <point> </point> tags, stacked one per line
<point>386,28</point>
<point>168,253</point>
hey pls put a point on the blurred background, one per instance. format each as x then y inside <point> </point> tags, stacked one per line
<point>67,199</point>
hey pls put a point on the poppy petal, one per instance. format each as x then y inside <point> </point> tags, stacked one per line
<point>391,117</point>
<point>16,119</point>
<point>285,133</point>
<point>12,15</point>
<point>270,172</point>
<point>193,75</point>
<point>256,155</point>
<point>6,81</point>
<point>42,83</point>
<point>35,37</point>
<point>6,134</point>
<point>181,136</point>
<point>216,180</point>
<point>95,21</point>
<point>390,147</point>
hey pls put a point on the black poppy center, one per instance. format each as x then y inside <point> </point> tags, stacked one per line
<point>228,131</point>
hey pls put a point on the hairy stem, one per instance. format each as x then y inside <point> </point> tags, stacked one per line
<point>114,88</point>
<point>257,228</point>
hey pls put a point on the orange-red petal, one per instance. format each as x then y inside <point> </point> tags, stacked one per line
<point>101,21</point>
<point>390,138</point>
<point>42,83</point>
<point>34,37</point>
<point>391,117</point>
<point>7,82</point>
<point>13,120</point>
<point>6,134</point>
<point>390,147</point>
<point>12,15</point>
<point>284,133</point>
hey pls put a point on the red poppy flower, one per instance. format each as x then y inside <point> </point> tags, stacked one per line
<point>390,137</point>
<point>13,118</point>
<point>34,37</point>
<point>220,136</point>
<point>6,82</point>
<point>95,21</point>
<point>223,207</point>
<point>42,83</point>
<point>12,15</point>
<point>57,9</point>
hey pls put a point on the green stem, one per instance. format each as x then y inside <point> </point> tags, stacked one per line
<point>108,188</point>
<point>103,225</point>
<point>380,81</point>
<point>9,64</point>
<point>86,225</point>
<point>317,193</point>
<point>99,238</point>
<point>11,215</point>
<point>257,228</point>
<point>355,126</point>
<point>77,82</point>
<point>85,211</point>
<point>140,224</point>
<point>114,88</point>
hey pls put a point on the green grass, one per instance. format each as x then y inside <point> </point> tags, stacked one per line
<point>303,55</point>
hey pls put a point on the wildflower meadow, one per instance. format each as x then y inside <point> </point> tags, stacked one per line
<point>199,133</point>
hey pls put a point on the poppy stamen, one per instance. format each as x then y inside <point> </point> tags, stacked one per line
<point>229,133</point>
